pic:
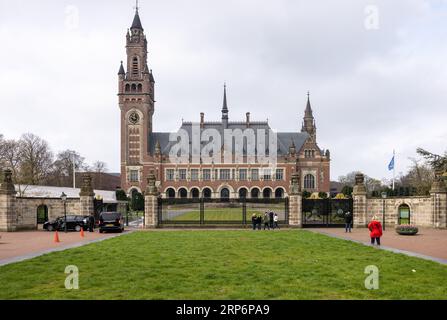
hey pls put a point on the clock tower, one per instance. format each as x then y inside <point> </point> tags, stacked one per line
<point>136,102</point>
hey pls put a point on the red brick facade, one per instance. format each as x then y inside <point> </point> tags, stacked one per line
<point>144,151</point>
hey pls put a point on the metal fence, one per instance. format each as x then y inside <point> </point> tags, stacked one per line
<point>325,212</point>
<point>220,211</point>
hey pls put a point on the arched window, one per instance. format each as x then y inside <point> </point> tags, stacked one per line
<point>267,193</point>
<point>243,193</point>
<point>207,193</point>
<point>404,214</point>
<point>127,87</point>
<point>170,193</point>
<point>309,181</point>
<point>183,193</point>
<point>140,88</point>
<point>279,193</point>
<point>195,193</point>
<point>255,193</point>
<point>225,194</point>
<point>135,67</point>
<point>134,87</point>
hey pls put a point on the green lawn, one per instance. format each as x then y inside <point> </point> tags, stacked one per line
<point>224,265</point>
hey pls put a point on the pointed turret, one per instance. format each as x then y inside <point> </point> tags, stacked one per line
<point>309,121</point>
<point>121,71</point>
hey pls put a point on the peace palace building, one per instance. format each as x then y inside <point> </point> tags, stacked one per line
<point>144,151</point>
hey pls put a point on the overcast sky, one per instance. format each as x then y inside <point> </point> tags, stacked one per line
<point>376,71</point>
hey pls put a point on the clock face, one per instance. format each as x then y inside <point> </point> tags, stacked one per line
<point>134,118</point>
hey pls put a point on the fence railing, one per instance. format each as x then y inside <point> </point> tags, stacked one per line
<point>221,211</point>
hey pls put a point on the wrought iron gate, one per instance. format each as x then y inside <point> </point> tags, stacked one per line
<point>325,212</point>
<point>218,212</point>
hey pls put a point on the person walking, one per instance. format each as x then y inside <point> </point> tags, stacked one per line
<point>91,223</point>
<point>375,230</point>
<point>259,220</point>
<point>348,222</point>
<point>275,221</point>
<point>254,220</point>
<point>266,221</point>
<point>271,217</point>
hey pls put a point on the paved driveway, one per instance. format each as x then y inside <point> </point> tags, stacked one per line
<point>16,246</point>
<point>428,242</point>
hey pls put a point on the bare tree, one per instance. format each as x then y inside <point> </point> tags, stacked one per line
<point>62,169</point>
<point>36,159</point>
<point>99,167</point>
<point>371,183</point>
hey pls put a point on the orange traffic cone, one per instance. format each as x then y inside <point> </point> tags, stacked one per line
<point>56,237</point>
<point>82,232</point>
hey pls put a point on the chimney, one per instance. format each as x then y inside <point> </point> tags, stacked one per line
<point>202,120</point>
<point>248,119</point>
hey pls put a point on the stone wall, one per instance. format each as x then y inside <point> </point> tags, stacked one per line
<point>428,211</point>
<point>20,213</point>
<point>26,210</point>
<point>420,210</point>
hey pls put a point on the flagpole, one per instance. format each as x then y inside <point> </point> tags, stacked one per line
<point>394,166</point>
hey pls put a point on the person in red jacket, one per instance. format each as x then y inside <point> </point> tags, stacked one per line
<point>375,228</point>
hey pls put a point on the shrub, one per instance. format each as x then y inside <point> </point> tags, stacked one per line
<point>406,229</point>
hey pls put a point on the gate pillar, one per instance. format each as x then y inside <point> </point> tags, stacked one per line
<point>438,195</point>
<point>151,203</point>
<point>359,196</point>
<point>295,203</point>
<point>8,212</point>
<point>87,195</point>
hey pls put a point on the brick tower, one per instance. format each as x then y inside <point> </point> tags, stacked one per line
<point>136,102</point>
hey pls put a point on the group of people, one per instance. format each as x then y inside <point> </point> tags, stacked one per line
<point>375,228</point>
<point>269,219</point>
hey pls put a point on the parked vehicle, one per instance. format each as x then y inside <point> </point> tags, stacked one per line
<point>111,221</point>
<point>74,223</point>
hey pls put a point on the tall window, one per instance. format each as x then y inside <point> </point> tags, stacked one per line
<point>225,174</point>
<point>279,174</point>
<point>194,174</point>
<point>206,174</point>
<point>254,174</point>
<point>134,176</point>
<point>182,174</point>
<point>309,181</point>
<point>242,174</point>
<point>135,67</point>
<point>267,175</point>
<point>170,174</point>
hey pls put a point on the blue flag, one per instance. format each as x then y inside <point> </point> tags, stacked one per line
<point>391,165</point>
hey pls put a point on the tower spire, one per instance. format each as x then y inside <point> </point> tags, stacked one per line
<point>136,24</point>
<point>225,106</point>
<point>309,120</point>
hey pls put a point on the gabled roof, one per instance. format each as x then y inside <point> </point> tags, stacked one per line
<point>284,139</point>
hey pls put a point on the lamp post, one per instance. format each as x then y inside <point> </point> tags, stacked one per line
<point>64,201</point>
<point>383,209</point>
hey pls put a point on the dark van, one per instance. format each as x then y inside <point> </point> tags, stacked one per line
<point>111,221</point>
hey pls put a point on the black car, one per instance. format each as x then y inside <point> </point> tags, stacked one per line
<point>111,221</point>
<point>74,223</point>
